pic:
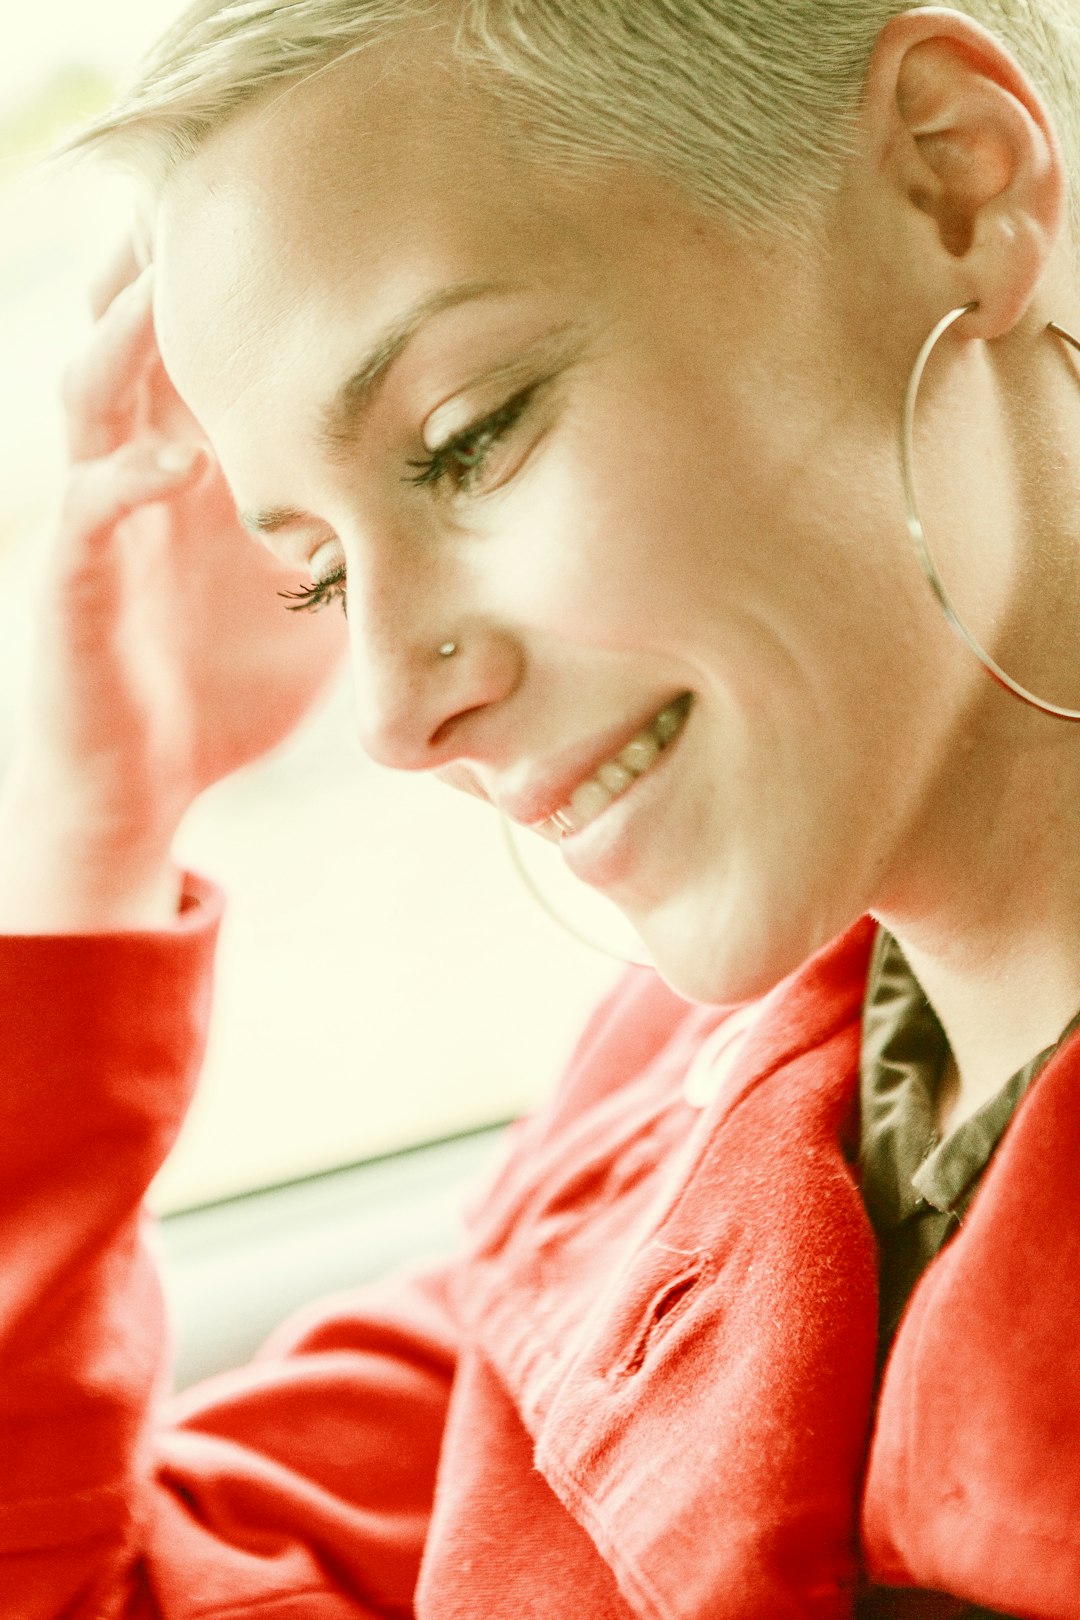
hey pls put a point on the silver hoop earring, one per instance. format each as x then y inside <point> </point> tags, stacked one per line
<point>918,533</point>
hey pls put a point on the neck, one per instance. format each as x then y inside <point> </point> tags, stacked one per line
<point>992,929</point>
<point>987,906</point>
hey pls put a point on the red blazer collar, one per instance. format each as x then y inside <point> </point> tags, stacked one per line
<point>974,1478</point>
<point>683,1307</point>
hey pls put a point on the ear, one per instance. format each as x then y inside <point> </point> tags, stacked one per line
<point>971,182</point>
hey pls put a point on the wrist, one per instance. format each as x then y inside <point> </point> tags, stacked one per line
<point>49,902</point>
<point>70,866</point>
<point>74,893</point>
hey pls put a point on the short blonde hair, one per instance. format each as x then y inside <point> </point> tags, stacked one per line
<point>749,105</point>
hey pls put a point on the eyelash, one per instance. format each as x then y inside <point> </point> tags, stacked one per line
<point>313,598</point>
<point>466,453</point>
<point>454,455</point>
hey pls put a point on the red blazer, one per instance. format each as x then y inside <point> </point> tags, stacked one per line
<point>645,1390</point>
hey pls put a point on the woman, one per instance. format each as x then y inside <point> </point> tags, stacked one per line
<point>572,341</point>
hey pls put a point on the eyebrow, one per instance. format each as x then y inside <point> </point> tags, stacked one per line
<point>340,418</point>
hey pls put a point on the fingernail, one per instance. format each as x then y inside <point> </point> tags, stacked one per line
<point>177,458</point>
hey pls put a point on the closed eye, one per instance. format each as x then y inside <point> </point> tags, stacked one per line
<point>314,597</point>
<point>463,459</point>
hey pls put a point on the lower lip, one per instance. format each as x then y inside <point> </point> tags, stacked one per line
<point>605,852</point>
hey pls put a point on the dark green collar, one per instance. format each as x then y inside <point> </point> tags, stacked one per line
<point>905,1168</point>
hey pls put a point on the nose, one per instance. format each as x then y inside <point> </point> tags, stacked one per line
<point>426,680</point>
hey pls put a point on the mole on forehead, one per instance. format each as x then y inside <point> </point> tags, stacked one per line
<point>340,417</point>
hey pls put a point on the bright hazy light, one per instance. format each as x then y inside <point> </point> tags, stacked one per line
<point>97,33</point>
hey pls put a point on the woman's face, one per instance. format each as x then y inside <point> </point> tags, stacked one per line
<point>633,470</point>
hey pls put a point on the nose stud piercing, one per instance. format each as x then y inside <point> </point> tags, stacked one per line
<point>448,649</point>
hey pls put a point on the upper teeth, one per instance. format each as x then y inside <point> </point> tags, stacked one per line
<point>614,777</point>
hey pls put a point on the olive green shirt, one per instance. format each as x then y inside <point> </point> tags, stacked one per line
<point>917,1188</point>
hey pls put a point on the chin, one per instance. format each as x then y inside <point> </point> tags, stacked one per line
<point>725,949</point>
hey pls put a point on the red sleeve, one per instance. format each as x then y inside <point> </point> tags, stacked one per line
<point>298,1487</point>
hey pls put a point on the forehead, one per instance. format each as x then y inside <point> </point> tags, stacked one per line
<point>344,198</point>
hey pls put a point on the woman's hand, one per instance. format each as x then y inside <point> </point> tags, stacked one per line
<point>165,656</point>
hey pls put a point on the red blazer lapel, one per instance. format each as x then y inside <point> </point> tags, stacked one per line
<point>693,1354</point>
<point>974,1478</point>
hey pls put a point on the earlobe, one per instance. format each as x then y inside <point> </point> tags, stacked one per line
<point>971,156</point>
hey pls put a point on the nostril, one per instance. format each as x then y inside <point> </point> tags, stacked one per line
<point>443,733</point>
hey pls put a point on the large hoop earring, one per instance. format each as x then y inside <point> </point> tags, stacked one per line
<point>918,533</point>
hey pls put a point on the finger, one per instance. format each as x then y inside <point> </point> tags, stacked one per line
<point>101,493</point>
<point>99,386</point>
<point>124,265</point>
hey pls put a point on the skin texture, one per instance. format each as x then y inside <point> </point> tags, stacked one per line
<point>701,496</point>
<point>158,669</point>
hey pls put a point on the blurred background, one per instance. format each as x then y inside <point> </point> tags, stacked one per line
<point>384,979</point>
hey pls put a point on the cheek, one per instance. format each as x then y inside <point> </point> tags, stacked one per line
<point>612,546</point>
<point>641,556</point>
<point>761,561</point>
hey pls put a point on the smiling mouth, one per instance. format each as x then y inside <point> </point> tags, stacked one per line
<point>618,775</point>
